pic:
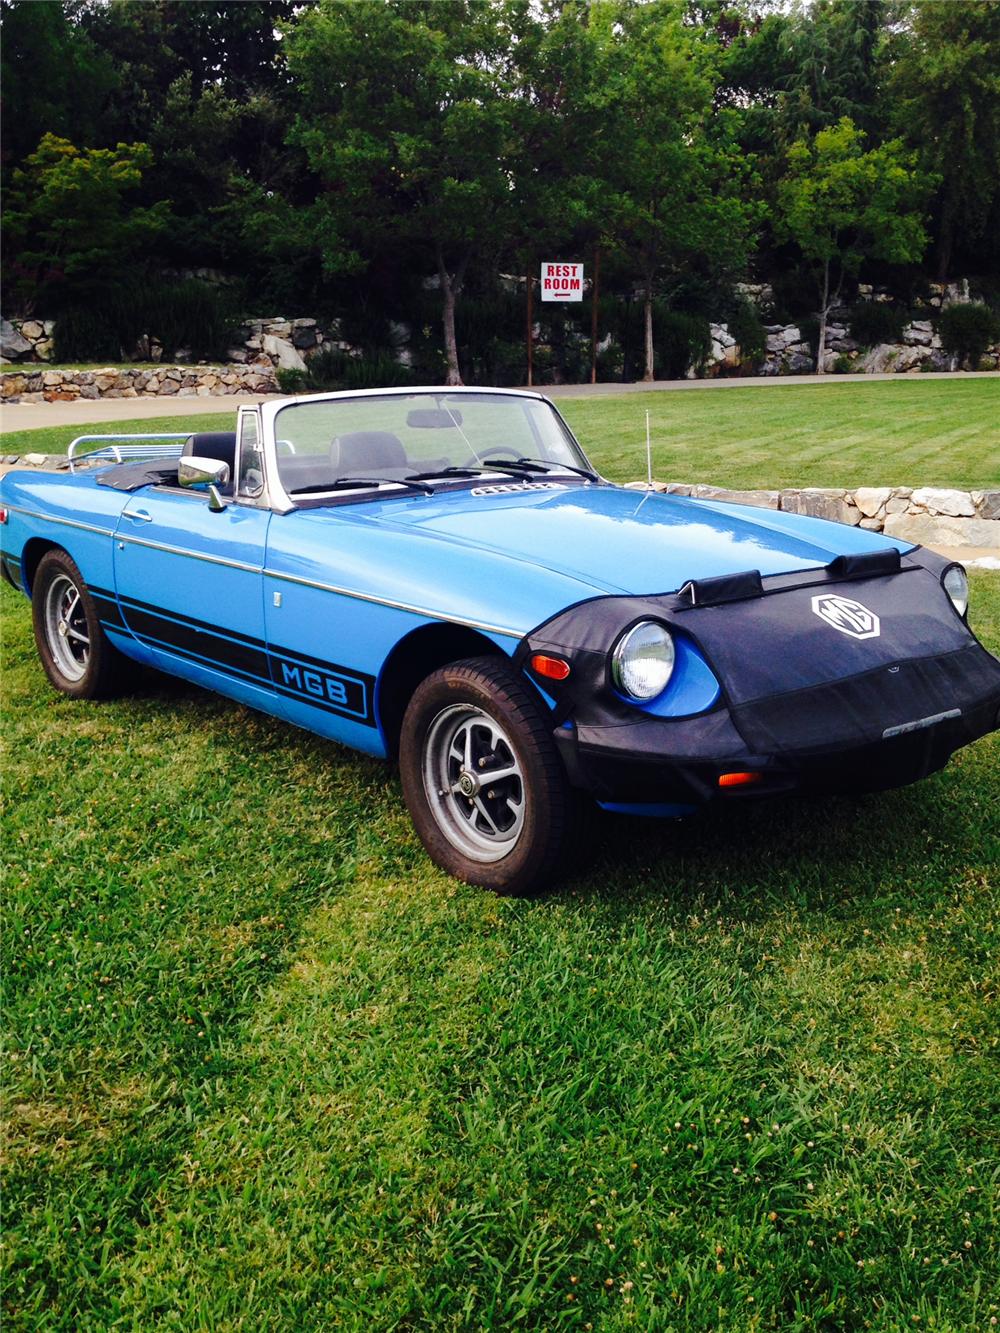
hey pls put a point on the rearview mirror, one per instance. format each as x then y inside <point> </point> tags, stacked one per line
<point>210,472</point>
<point>433,418</point>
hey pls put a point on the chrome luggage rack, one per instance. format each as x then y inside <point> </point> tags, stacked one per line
<point>119,448</point>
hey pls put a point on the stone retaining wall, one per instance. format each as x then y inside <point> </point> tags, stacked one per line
<point>61,386</point>
<point>930,516</point>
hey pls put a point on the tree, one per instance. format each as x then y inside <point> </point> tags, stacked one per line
<point>840,205</point>
<point>672,179</point>
<point>70,224</point>
<point>946,89</point>
<point>53,77</point>
<point>405,118</point>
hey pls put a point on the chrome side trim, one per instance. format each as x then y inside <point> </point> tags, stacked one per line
<point>396,606</point>
<point>191,555</point>
<point>483,625</point>
<point>67,522</point>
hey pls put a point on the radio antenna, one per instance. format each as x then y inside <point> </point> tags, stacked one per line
<point>649,458</point>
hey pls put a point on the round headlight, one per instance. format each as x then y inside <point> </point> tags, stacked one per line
<point>643,660</point>
<point>956,585</point>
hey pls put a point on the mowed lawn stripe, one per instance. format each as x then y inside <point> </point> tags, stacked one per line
<point>910,432</point>
<point>272,1070</point>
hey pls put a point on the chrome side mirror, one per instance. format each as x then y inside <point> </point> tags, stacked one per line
<point>210,472</point>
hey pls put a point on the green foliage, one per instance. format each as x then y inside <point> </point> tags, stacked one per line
<point>842,364</point>
<point>291,380</point>
<point>184,314</point>
<point>945,86</point>
<point>967,330</point>
<point>71,223</point>
<point>55,79</point>
<point>334,369</point>
<point>874,322</point>
<point>745,324</point>
<point>681,341</point>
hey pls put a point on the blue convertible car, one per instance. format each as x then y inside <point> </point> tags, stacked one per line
<point>440,576</point>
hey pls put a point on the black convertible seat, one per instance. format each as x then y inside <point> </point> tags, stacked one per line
<point>217,444</point>
<point>364,451</point>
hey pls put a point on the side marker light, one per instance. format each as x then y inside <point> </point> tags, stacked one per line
<point>552,667</point>
<point>739,779</point>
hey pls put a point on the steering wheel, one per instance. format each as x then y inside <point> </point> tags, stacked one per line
<point>501,452</point>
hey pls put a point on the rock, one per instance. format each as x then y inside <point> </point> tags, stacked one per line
<point>897,505</point>
<point>168,386</point>
<point>43,349</point>
<point>32,330</point>
<point>237,354</point>
<point>916,335</point>
<point>878,360</point>
<point>282,352</point>
<point>800,364</point>
<point>821,503</point>
<point>13,384</point>
<point>89,391</point>
<point>987,504</point>
<point>956,504</point>
<point>303,338</point>
<point>12,344</point>
<point>52,378</point>
<point>871,524</point>
<point>870,499</point>
<point>933,530</point>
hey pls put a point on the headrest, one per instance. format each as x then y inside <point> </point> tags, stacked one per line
<point>365,450</point>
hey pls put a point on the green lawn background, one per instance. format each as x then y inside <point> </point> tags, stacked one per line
<point>906,432</point>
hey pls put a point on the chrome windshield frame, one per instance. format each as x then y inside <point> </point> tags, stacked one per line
<point>283,502</point>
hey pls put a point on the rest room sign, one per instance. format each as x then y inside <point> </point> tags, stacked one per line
<point>562,282</point>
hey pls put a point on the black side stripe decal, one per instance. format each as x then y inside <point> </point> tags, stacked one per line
<point>323,685</point>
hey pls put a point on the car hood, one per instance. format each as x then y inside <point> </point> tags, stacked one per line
<point>505,559</point>
<point>618,540</point>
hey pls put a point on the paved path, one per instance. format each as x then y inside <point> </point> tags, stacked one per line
<point>83,412</point>
<point>750,382</point>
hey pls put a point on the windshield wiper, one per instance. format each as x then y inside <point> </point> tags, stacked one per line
<point>350,483</point>
<point>512,471</point>
<point>541,465</point>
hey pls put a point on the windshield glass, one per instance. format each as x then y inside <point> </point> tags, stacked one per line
<point>397,436</point>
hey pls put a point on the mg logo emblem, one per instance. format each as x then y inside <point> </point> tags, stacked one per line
<point>848,616</point>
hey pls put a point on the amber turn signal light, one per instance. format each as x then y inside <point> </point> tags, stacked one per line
<point>553,667</point>
<point>739,779</point>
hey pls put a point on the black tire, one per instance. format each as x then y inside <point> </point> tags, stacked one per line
<point>511,836</point>
<point>64,615</point>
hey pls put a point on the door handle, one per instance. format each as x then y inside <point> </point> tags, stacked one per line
<point>138,515</point>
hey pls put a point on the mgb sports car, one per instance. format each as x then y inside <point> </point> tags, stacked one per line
<point>440,577</point>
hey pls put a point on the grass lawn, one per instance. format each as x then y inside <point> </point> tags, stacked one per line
<point>268,1069</point>
<point>913,431</point>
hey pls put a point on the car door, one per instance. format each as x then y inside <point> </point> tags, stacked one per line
<point>189,579</point>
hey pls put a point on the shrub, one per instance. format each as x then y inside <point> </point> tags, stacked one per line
<point>967,330</point>
<point>745,325</point>
<point>874,322</point>
<point>188,314</point>
<point>842,365</point>
<point>680,341</point>
<point>335,369</point>
<point>291,380</point>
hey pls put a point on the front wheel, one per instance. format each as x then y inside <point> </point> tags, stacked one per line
<point>77,656</point>
<point>482,780</point>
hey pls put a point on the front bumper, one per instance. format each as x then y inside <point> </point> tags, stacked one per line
<point>614,771</point>
<point>803,705</point>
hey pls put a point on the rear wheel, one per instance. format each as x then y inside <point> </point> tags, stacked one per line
<point>482,779</point>
<point>77,656</point>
